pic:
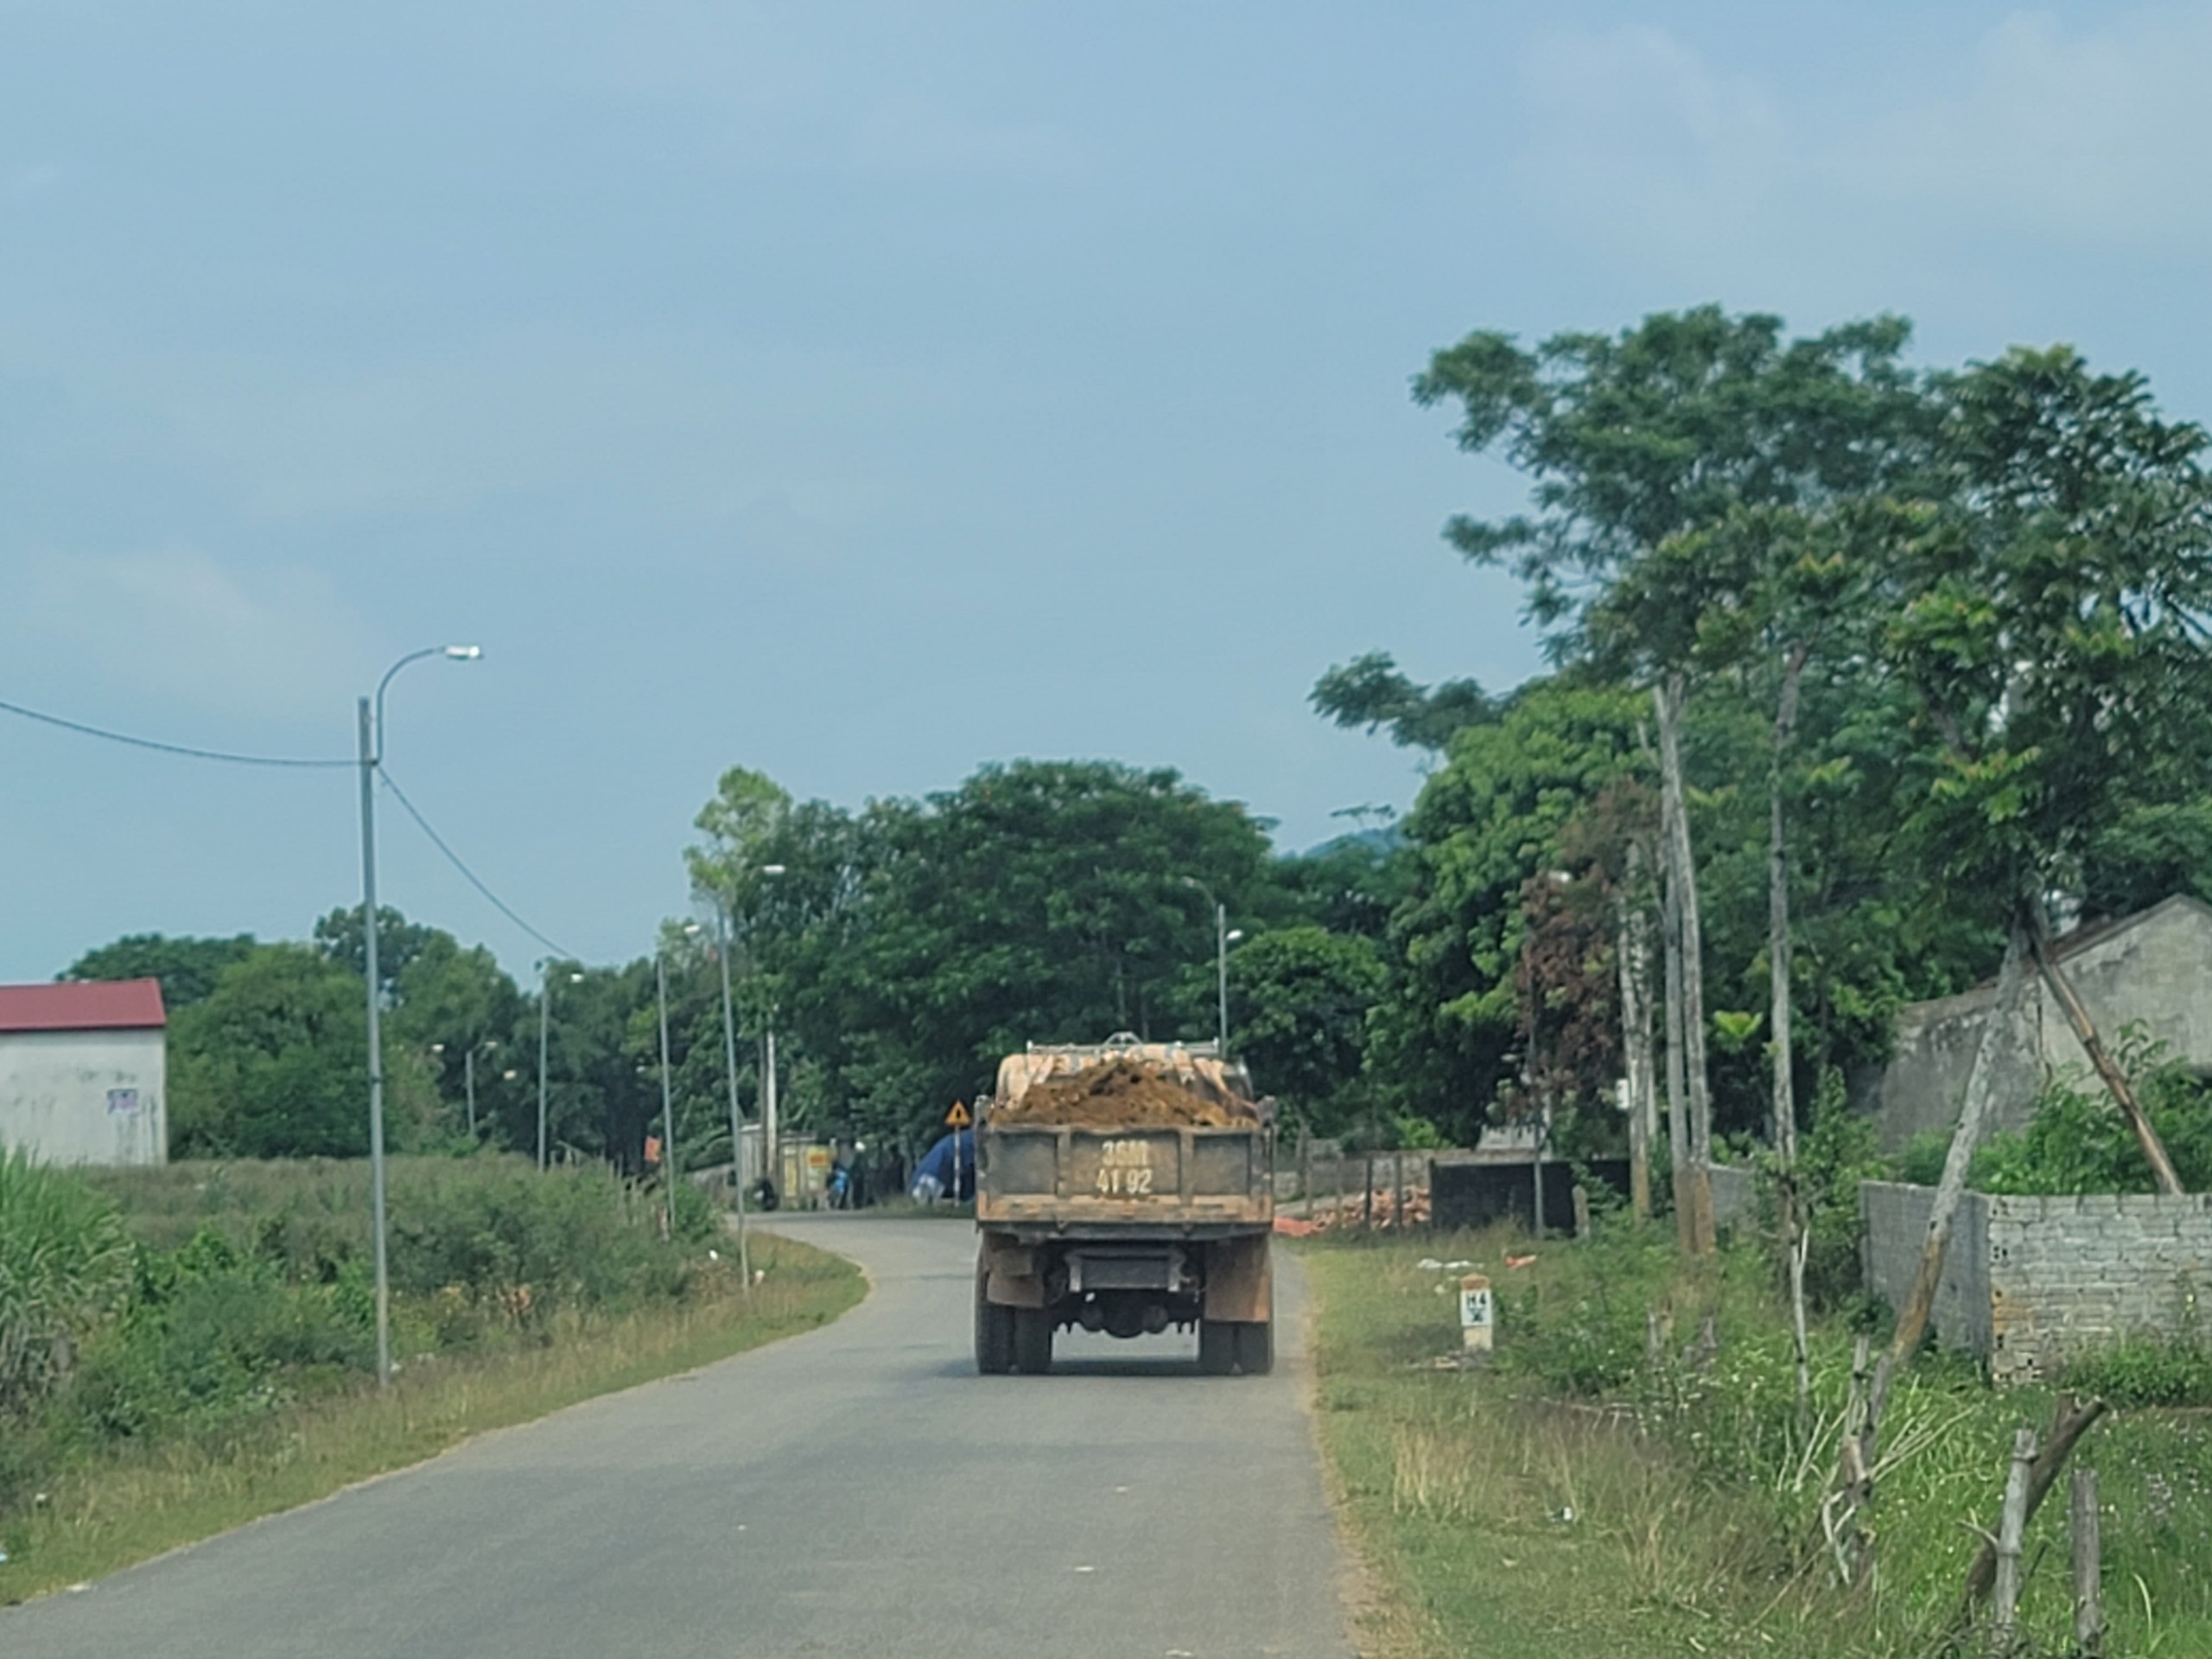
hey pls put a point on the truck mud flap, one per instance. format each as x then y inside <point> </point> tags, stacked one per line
<point>1240,1280</point>
<point>1010,1273</point>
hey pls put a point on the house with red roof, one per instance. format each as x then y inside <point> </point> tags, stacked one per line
<point>84,1072</point>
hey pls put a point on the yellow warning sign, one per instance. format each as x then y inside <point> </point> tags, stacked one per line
<point>957,1118</point>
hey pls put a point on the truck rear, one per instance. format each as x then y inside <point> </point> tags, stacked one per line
<point>1125,1187</point>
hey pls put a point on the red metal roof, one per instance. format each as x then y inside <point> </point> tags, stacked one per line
<point>91,1005</point>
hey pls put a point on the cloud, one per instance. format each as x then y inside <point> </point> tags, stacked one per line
<point>2085,139</point>
<point>176,623</point>
<point>2097,136</point>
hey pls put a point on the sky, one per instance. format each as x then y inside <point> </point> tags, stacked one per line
<point>863,393</point>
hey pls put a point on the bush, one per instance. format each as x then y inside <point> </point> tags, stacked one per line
<point>65,1266</point>
<point>2077,1141</point>
<point>1839,1150</point>
<point>2178,1373</point>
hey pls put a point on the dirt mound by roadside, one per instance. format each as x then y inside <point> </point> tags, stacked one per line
<point>1121,1093</point>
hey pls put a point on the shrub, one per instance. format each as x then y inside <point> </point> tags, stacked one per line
<point>2076,1142</point>
<point>65,1266</point>
<point>2176,1373</point>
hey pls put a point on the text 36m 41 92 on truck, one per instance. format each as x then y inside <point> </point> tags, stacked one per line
<point>1126,1187</point>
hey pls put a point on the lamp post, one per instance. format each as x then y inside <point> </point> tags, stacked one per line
<point>1221,961</point>
<point>770,1150</point>
<point>736,1112</point>
<point>370,715</point>
<point>544,1030</point>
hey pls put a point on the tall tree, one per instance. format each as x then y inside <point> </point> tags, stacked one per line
<point>1635,442</point>
<point>187,968</point>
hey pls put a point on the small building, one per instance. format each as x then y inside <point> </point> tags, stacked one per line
<point>2153,968</point>
<point>84,1072</point>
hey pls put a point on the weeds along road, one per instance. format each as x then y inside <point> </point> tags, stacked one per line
<point>858,1490</point>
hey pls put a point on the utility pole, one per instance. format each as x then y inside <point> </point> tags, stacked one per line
<point>370,714</point>
<point>468,1085</point>
<point>667,1095</point>
<point>736,1112</point>
<point>545,1005</point>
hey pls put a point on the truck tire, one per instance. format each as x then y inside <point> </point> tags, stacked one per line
<point>1032,1340</point>
<point>1255,1347</point>
<point>994,1333</point>
<point>1216,1347</point>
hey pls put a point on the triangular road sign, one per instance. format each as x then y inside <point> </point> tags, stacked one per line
<point>957,1118</point>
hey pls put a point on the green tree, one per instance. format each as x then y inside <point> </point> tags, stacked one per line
<point>1447,1040</point>
<point>1299,999</point>
<point>274,1063</point>
<point>187,968</point>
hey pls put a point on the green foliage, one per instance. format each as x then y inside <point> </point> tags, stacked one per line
<point>248,1286</point>
<point>274,1062</point>
<point>187,968</point>
<point>1299,999</point>
<point>1837,1151</point>
<point>1922,1160</point>
<point>2178,1373</point>
<point>1369,692</point>
<point>64,1269</point>
<point>2076,1142</point>
<point>1486,822</point>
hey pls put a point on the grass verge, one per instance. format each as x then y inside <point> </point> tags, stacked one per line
<point>132,1502</point>
<point>1576,1500</point>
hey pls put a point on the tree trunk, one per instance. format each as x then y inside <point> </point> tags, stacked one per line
<point>1785,1103</point>
<point>1678,1132</point>
<point>2072,1419</point>
<point>1633,950</point>
<point>2123,1094</point>
<point>1670,695</point>
<point>1920,1304</point>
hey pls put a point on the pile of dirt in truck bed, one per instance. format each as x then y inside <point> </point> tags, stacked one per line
<point>1122,1094</point>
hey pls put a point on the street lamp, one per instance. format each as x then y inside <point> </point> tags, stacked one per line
<point>736,1112</point>
<point>544,1027</point>
<point>1221,961</point>
<point>370,714</point>
<point>667,1085</point>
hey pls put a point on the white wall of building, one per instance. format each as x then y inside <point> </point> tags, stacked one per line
<point>86,1097</point>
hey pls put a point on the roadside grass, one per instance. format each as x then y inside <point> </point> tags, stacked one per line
<point>124,1504</point>
<point>1577,1499</point>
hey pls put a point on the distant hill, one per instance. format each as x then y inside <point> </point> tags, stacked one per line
<point>1384,838</point>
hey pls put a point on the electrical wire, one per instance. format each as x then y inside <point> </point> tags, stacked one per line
<point>455,860</point>
<point>184,749</point>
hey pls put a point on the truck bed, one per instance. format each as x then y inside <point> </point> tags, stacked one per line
<point>1190,1182</point>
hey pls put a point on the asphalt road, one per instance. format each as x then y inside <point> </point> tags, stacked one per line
<point>856,1490</point>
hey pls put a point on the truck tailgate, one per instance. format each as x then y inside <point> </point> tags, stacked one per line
<point>1060,1174</point>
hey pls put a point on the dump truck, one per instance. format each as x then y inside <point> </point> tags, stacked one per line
<point>1126,1187</point>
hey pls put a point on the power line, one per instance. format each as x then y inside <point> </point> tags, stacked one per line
<point>454,859</point>
<point>184,749</point>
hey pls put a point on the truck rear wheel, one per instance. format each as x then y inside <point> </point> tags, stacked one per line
<point>994,1331</point>
<point>1216,1347</point>
<point>1032,1340</point>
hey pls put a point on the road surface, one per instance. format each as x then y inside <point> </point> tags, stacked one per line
<point>857,1490</point>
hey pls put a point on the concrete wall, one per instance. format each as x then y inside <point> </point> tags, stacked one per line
<point>1735,1196</point>
<point>1895,1220</point>
<point>86,1097</point>
<point>2153,968</point>
<point>2029,1282</point>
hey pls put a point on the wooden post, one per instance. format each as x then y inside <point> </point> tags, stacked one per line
<point>1340,1217</point>
<point>2088,1566</point>
<point>2011,1527</point>
<point>2085,1030</point>
<point>1367,1204</point>
<point>2071,1420</point>
<point>1581,1211</point>
<point>1397,1191</point>
<point>1306,1170</point>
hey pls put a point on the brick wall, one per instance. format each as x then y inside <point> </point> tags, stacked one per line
<point>2026,1281</point>
<point>2071,1273</point>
